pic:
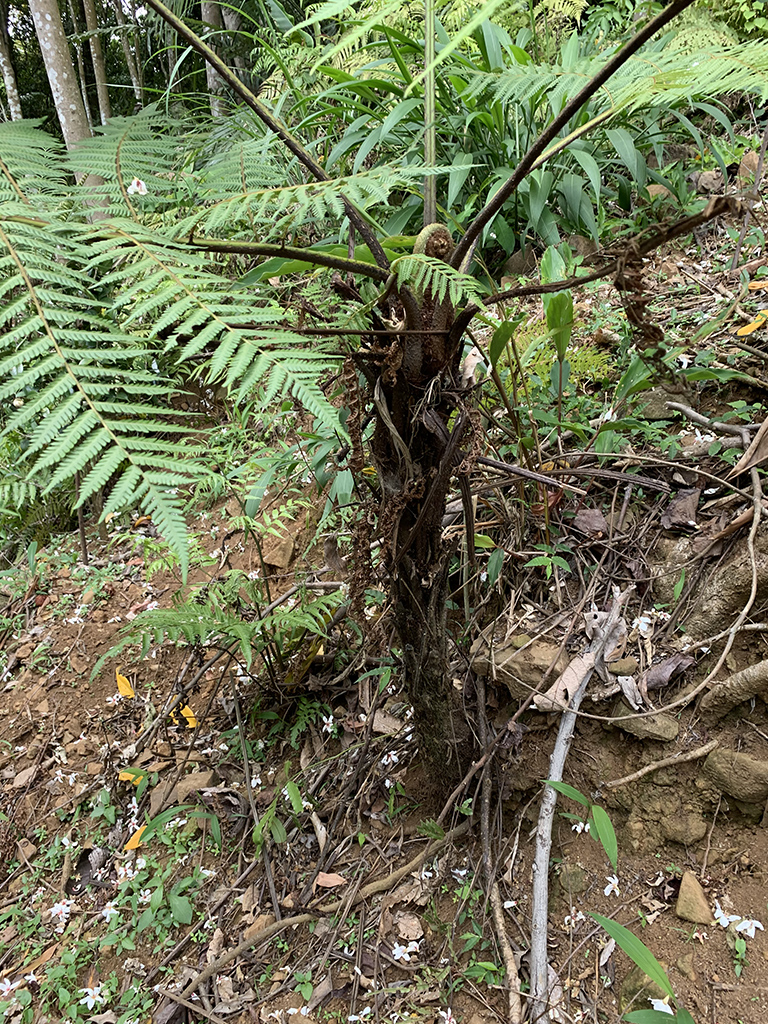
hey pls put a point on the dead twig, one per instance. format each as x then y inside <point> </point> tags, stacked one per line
<point>540,905</point>
<point>665,762</point>
<point>380,885</point>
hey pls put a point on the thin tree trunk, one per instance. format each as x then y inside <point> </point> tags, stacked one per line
<point>80,65</point>
<point>60,71</point>
<point>130,60</point>
<point>8,71</point>
<point>97,56</point>
<point>211,15</point>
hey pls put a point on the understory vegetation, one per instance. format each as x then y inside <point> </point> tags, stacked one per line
<point>400,341</point>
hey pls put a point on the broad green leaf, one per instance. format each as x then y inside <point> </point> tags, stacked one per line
<point>181,909</point>
<point>294,795</point>
<point>653,1017</point>
<point>482,540</point>
<point>495,563</point>
<point>603,829</point>
<point>565,790</point>
<point>503,333</point>
<point>277,829</point>
<point>637,951</point>
<point>628,152</point>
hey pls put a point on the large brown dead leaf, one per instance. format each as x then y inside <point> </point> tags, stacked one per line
<point>558,696</point>
<point>680,513</point>
<point>755,454</point>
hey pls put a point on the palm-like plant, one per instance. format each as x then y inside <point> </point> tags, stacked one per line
<point>103,287</point>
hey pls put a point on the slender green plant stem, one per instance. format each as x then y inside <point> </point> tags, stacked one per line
<point>273,123</point>
<point>291,252</point>
<point>492,207</point>
<point>430,128</point>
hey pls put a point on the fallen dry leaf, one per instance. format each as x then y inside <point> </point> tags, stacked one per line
<point>592,522</point>
<point>408,926</point>
<point>559,694</point>
<point>755,454</point>
<point>135,841</point>
<point>329,880</point>
<point>681,510</point>
<point>124,687</point>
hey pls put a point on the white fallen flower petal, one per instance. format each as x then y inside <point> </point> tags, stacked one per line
<point>748,926</point>
<point>661,1005</point>
<point>613,885</point>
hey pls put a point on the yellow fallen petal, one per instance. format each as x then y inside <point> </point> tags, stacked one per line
<point>135,841</point>
<point>124,688</point>
<point>132,776</point>
<point>190,716</point>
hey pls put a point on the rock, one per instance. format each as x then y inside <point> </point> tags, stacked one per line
<point>738,775</point>
<point>88,597</point>
<point>652,404</point>
<point>655,191</point>
<point>572,879</point>
<point>686,828</point>
<point>659,727</point>
<point>193,782</point>
<point>581,245</point>
<point>708,182</point>
<point>748,166</point>
<point>685,966</point>
<point>520,264</point>
<point>636,989</point>
<point>278,551</point>
<point>692,904</point>
<point>623,667</point>
<point>520,670</point>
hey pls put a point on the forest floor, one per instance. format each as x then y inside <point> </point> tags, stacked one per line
<point>358,906</point>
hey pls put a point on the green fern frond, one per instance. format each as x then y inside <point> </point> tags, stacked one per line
<point>71,364</point>
<point>426,273</point>
<point>213,622</point>
<point>654,77</point>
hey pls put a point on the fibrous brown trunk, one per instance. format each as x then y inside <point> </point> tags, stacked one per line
<point>416,454</point>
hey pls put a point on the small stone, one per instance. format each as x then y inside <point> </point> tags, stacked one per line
<point>623,667</point>
<point>655,190</point>
<point>685,966</point>
<point>659,727</point>
<point>686,828</point>
<point>692,905</point>
<point>278,551</point>
<point>88,597</point>
<point>572,879</point>
<point>738,775</point>
<point>748,166</point>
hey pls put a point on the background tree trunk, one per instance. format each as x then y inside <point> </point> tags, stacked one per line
<point>7,68</point>
<point>211,15</point>
<point>80,64</point>
<point>61,73</point>
<point>97,56</point>
<point>130,60</point>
